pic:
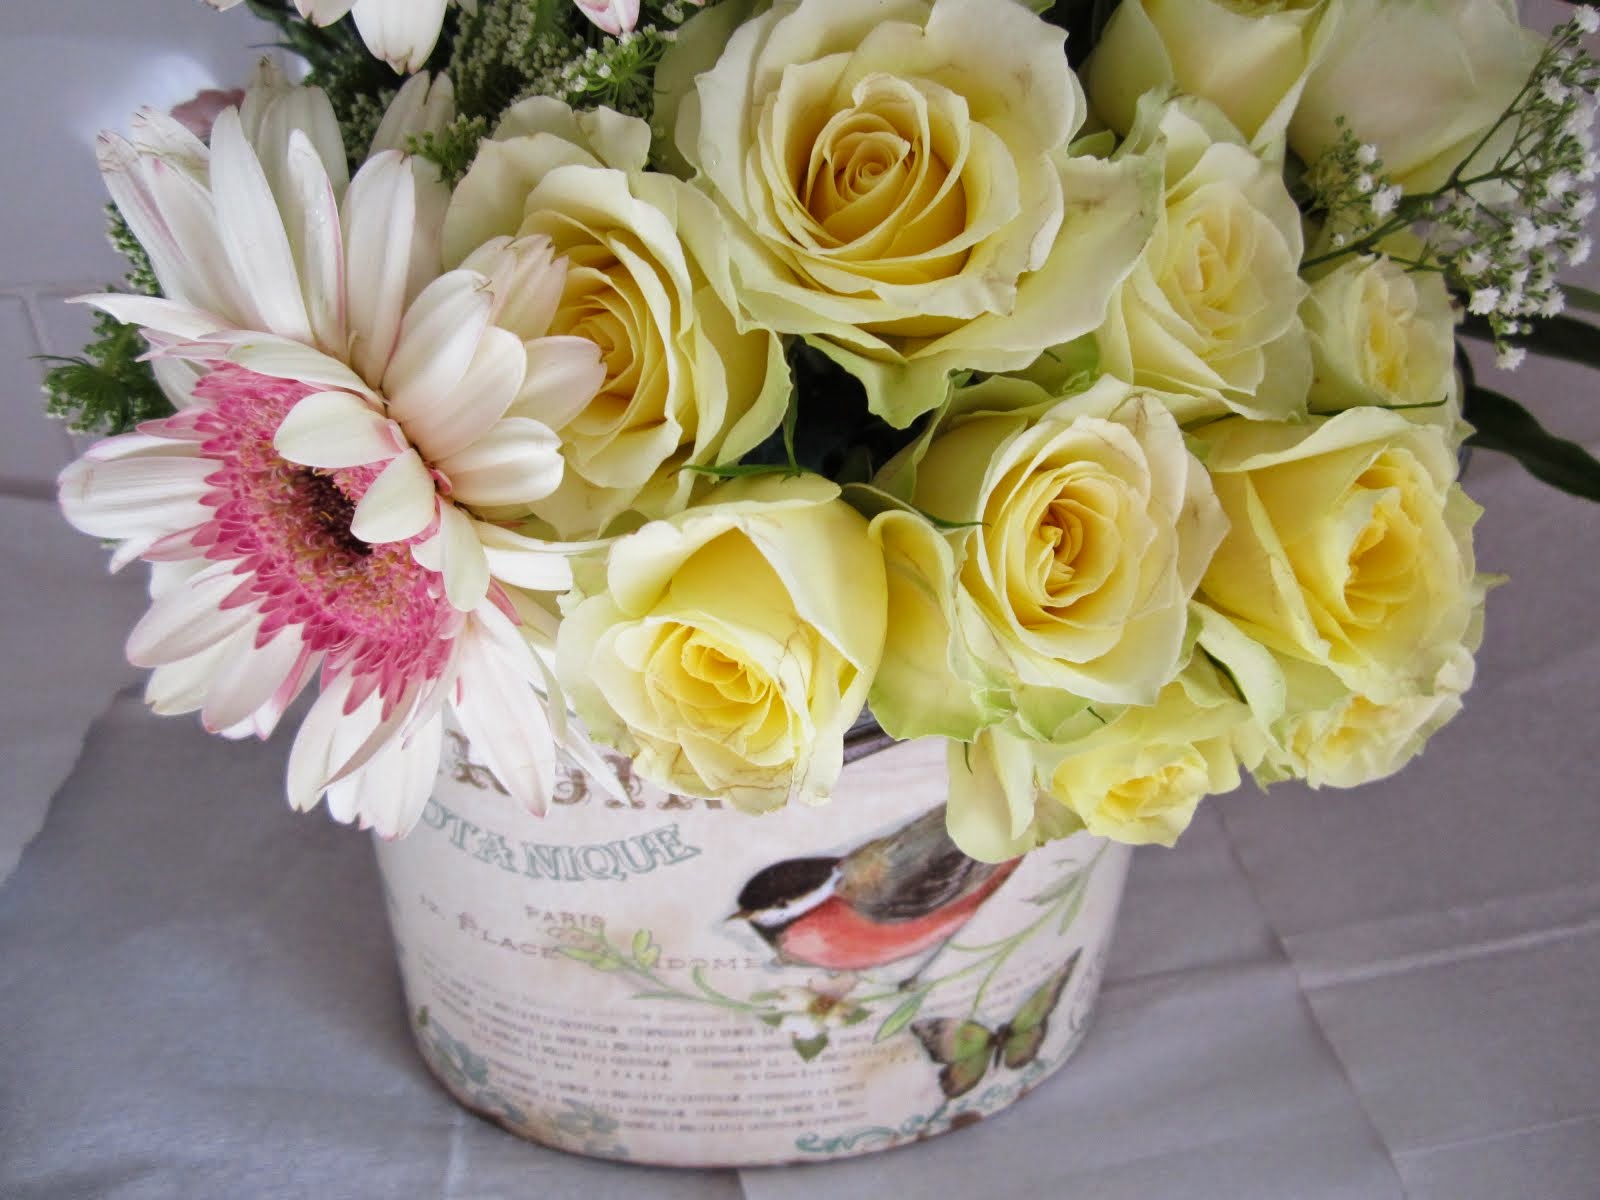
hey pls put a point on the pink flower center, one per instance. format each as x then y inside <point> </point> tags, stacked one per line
<point>371,608</point>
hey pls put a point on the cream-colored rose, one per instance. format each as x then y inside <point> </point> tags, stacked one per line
<point>1384,336</point>
<point>683,386</point>
<point>1137,779</point>
<point>1350,546</point>
<point>1420,79</point>
<point>1248,57</point>
<point>897,176</point>
<point>732,646</point>
<point>1209,312</point>
<point>1080,528</point>
<point>1333,737</point>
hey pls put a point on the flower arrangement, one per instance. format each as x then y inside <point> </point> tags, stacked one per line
<point>1079,383</point>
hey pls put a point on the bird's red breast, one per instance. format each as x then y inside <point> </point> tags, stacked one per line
<point>839,937</point>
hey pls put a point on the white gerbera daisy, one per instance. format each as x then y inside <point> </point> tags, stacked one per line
<point>401,32</point>
<point>311,505</point>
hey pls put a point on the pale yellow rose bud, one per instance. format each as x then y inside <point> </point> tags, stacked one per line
<point>900,185</point>
<point>1350,546</point>
<point>1421,80</point>
<point>1210,311</point>
<point>1081,528</point>
<point>1136,777</point>
<point>1333,737</point>
<point>1248,57</point>
<point>1384,336</point>
<point>682,386</point>
<point>732,646</point>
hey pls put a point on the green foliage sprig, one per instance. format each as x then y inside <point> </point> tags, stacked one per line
<point>107,389</point>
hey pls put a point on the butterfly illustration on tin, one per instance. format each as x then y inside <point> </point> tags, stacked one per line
<point>966,1049</point>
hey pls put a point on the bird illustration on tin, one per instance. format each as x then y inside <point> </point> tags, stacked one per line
<point>897,896</point>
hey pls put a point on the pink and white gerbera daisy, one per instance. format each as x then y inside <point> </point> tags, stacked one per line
<point>347,415</point>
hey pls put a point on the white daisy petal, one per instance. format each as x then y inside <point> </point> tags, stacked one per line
<point>378,215</point>
<point>403,35</point>
<point>311,217</point>
<point>459,418</point>
<point>312,752</point>
<point>516,462</point>
<point>525,562</point>
<point>400,503</point>
<point>252,230</point>
<point>336,429</point>
<point>135,496</point>
<point>267,355</point>
<point>324,12</point>
<point>180,687</point>
<point>461,559</point>
<point>156,132</point>
<point>206,277</point>
<point>504,721</point>
<point>563,375</point>
<point>274,108</point>
<point>123,173</point>
<point>438,338</point>
<point>249,680</point>
<point>424,104</point>
<point>152,312</point>
<point>187,619</point>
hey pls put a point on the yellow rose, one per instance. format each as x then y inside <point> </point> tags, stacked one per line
<point>1333,737</point>
<point>1421,80</point>
<point>1209,311</point>
<point>1137,779</point>
<point>897,177</point>
<point>682,385</point>
<point>1081,527</point>
<point>1382,335</point>
<point>1248,57</point>
<point>1350,546</point>
<point>732,646</point>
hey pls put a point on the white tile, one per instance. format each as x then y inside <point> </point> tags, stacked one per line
<point>74,67</point>
<point>1472,1048</point>
<point>32,447</point>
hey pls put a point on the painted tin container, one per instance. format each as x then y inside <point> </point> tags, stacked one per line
<point>674,983</point>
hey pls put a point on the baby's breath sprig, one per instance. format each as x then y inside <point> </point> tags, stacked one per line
<point>512,49</point>
<point>1499,229</point>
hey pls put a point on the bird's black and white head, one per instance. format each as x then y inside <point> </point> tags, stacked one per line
<point>777,896</point>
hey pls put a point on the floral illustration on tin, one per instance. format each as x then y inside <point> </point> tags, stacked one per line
<point>574,1126</point>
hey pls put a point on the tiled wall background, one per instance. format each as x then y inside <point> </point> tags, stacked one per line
<point>74,67</point>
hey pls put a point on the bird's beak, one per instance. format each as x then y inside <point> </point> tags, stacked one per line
<point>742,914</point>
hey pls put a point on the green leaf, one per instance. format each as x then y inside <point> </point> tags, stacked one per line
<point>1060,888</point>
<point>901,1016</point>
<point>809,1048</point>
<point>645,952</point>
<point>1553,337</point>
<point>1581,297</point>
<point>594,958</point>
<point>855,1016</point>
<point>740,470</point>
<point>1073,909</point>
<point>1504,425</point>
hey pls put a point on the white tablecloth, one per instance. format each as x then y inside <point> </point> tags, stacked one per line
<point>1380,993</point>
